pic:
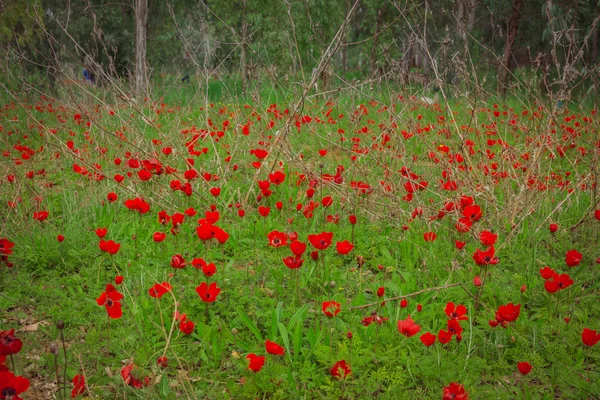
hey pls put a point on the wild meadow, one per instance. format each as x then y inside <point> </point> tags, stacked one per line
<point>344,247</point>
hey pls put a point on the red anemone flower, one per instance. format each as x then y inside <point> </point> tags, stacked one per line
<point>293,262</point>
<point>488,238</point>
<point>159,289</point>
<point>297,247</point>
<point>111,300</point>
<point>9,344</point>
<point>321,241</point>
<point>456,312</point>
<point>177,261</point>
<point>454,391</point>
<point>110,246</point>
<point>255,363</point>
<point>524,367</point>
<point>331,308</point>
<point>340,370</point>
<point>12,386</point>
<point>485,257</point>
<point>78,386</point>
<point>427,339</point>
<point>274,348</point>
<point>573,258</point>
<point>589,337</point>
<point>277,239</point>
<point>344,247</point>
<point>208,293</point>
<point>408,327</point>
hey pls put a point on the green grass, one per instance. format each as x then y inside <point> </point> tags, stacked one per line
<point>53,281</point>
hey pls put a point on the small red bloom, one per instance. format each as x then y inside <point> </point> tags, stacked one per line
<point>9,344</point>
<point>485,257</point>
<point>589,337</point>
<point>524,367</point>
<point>298,248</point>
<point>403,303</point>
<point>274,348</point>
<point>340,370</point>
<point>255,363</point>
<point>429,236</point>
<point>118,279</point>
<point>101,232</point>
<point>427,339</point>
<point>454,391</point>
<point>573,258</point>
<point>162,362</point>
<point>208,293</point>
<point>321,241</point>
<point>78,386</point>
<point>331,308</point>
<point>344,247</point>
<point>111,300</point>
<point>408,327</point>
<point>277,239</point>
<point>110,246</point>
<point>553,228</point>
<point>186,326</point>
<point>177,261</point>
<point>380,291</point>
<point>456,312</point>
<point>12,386</point>
<point>159,289</point>
<point>487,238</point>
<point>40,215</point>
<point>60,238</point>
<point>293,262</point>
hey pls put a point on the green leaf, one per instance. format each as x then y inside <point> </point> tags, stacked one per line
<point>251,325</point>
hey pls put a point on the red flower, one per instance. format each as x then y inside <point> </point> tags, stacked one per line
<point>403,303</point>
<point>277,177</point>
<point>9,344</point>
<point>429,236</point>
<point>460,245</point>
<point>485,257</point>
<point>40,216</point>
<point>380,291</point>
<point>459,312</point>
<point>589,337</point>
<point>78,386</point>
<point>209,269</point>
<point>101,232</point>
<point>454,327</point>
<point>553,228</point>
<point>118,279</point>
<point>477,281</point>
<point>344,247</point>
<point>186,327</point>
<point>60,238</point>
<point>558,282</point>
<point>487,238</point>
<point>472,212</point>
<point>208,293</point>
<point>331,308</point>
<point>340,370</point>
<point>366,321</point>
<point>573,258</point>
<point>112,197</point>
<point>177,261</point>
<point>277,239</point>
<point>255,363</point>
<point>597,214</point>
<point>293,262</point>
<point>444,337</point>
<point>110,247</point>
<point>507,313</point>
<point>162,362</point>
<point>321,241</point>
<point>524,367</point>
<point>427,339</point>
<point>454,391</point>
<point>298,248</point>
<point>11,386</point>
<point>6,246</point>
<point>159,237</point>
<point>408,327</point>
<point>547,272</point>
<point>130,380</point>
<point>264,211</point>
<point>352,219</point>
<point>111,300</point>
<point>274,348</point>
<point>159,289</point>
<point>138,205</point>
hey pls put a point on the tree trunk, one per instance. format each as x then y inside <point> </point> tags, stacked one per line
<point>141,18</point>
<point>513,24</point>
<point>373,67</point>
<point>472,15</point>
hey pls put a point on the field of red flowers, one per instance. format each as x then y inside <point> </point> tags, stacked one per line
<point>345,249</point>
